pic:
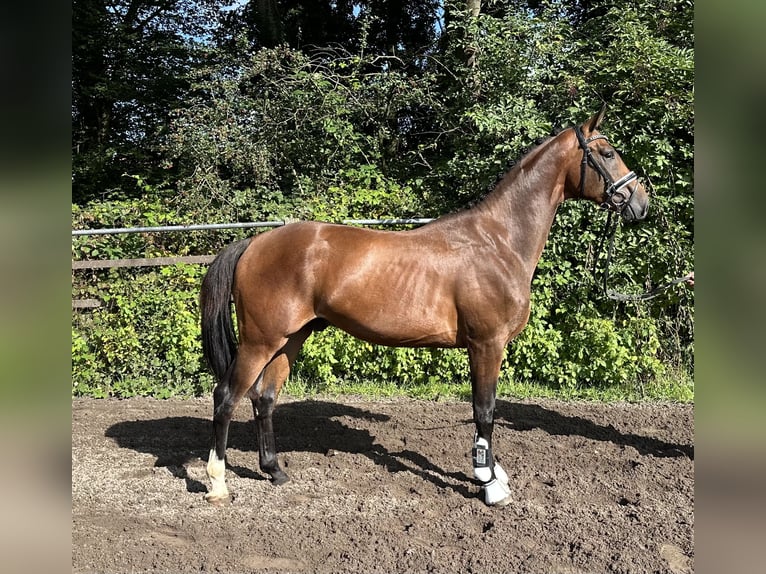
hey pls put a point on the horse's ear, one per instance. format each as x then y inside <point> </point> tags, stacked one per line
<point>595,122</point>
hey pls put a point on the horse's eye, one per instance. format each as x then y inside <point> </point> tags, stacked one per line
<point>608,153</point>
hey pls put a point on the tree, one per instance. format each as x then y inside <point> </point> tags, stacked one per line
<point>130,65</point>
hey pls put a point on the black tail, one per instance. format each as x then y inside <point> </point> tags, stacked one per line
<point>219,341</point>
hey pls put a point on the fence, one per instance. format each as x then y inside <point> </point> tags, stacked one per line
<point>201,259</point>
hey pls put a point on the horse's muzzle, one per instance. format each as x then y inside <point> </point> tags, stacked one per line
<point>637,208</point>
<point>631,202</point>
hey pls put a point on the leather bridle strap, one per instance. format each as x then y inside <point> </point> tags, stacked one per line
<point>611,187</point>
<point>610,232</point>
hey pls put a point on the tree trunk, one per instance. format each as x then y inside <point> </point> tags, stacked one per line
<point>473,7</point>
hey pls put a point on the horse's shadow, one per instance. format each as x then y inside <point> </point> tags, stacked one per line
<point>302,426</point>
<point>313,426</point>
<point>524,417</point>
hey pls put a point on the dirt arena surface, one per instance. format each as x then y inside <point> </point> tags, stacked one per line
<point>384,486</point>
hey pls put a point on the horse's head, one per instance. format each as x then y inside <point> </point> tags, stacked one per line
<point>601,176</point>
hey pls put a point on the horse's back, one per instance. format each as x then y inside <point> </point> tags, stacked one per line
<point>387,287</point>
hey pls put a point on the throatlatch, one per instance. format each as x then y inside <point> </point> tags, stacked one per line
<point>494,479</point>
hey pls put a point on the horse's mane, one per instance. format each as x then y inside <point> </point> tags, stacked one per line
<point>511,163</point>
<point>507,168</point>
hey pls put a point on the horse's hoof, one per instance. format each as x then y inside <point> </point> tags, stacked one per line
<point>504,502</point>
<point>496,493</point>
<point>217,500</point>
<point>279,478</point>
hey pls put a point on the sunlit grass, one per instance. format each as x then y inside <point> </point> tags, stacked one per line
<point>674,387</point>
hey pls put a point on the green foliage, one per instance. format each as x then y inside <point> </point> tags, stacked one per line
<point>288,135</point>
<point>146,212</point>
<point>272,133</point>
<point>155,208</point>
<point>145,339</point>
<point>332,356</point>
<point>131,61</point>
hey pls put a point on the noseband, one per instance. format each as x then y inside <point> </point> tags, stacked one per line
<point>616,199</point>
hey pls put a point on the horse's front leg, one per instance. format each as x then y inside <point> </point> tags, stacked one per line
<point>485,359</point>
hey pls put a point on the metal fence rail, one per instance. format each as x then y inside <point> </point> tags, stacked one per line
<point>142,262</point>
<point>244,225</point>
<point>201,259</point>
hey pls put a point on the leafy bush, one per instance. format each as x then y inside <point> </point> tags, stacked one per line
<point>284,132</point>
<point>144,340</point>
<point>332,355</point>
<point>275,133</point>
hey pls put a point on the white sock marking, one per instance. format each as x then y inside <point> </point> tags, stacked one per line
<point>216,471</point>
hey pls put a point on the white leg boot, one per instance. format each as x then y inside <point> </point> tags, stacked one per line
<point>496,489</point>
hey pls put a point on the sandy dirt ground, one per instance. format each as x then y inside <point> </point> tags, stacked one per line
<point>384,486</point>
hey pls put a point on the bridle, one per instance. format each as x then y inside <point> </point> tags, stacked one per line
<point>616,199</point>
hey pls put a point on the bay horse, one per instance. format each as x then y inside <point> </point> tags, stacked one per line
<point>462,280</point>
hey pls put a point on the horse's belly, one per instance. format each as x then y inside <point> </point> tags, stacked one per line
<point>395,313</point>
<point>397,331</point>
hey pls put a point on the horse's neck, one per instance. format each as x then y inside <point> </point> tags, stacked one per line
<point>524,203</point>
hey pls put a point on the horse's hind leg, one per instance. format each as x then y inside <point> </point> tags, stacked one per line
<point>264,398</point>
<point>227,394</point>
<point>216,465</point>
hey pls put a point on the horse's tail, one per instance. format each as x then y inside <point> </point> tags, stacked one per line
<point>219,341</point>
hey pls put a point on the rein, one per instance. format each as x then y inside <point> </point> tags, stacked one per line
<point>614,295</point>
<point>614,189</point>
